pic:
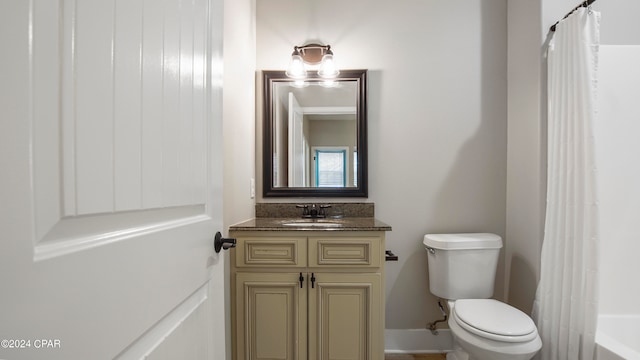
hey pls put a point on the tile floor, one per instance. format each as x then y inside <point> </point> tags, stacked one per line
<point>415,357</point>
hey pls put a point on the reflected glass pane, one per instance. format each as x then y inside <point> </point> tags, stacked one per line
<point>331,169</point>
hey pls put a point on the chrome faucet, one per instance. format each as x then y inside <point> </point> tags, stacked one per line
<point>315,211</point>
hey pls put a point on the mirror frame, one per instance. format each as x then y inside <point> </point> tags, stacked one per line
<point>269,78</point>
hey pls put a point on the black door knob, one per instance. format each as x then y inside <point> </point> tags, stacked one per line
<point>220,243</point>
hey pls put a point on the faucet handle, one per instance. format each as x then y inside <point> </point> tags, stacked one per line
<point>305,209</point>
<point>322,207</point>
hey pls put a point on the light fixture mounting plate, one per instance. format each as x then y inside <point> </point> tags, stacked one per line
<point>312,53</point>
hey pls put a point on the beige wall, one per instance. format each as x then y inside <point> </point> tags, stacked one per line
<point>239,109</point>
<point>526,183</point>
<point>437,117</point>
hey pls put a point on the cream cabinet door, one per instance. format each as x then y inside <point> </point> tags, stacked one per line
<point>271,316</point>
<point>345,317</point>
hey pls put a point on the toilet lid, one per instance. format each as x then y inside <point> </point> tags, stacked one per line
<point>494,320</point>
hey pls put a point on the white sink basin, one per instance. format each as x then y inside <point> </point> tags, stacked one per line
<point>302,224</point>
<point>312,224</point>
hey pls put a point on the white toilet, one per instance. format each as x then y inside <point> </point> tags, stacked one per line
<point>462,269</point>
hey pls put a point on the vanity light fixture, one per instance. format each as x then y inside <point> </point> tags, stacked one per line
<point>312,56</point>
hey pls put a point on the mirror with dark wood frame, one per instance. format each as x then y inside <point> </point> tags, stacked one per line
<point>315,135</point>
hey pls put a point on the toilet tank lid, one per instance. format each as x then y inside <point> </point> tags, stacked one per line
<point>463,241</point>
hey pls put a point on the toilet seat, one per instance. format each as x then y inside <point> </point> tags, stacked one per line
<point>494,320</point>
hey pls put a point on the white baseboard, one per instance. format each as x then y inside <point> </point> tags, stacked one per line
<point>417,341</point>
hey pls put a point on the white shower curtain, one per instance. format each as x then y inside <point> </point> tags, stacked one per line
<point>565,309</point>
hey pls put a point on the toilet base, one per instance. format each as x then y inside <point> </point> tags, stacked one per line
<point>457,355</point>
<point>471,347</point>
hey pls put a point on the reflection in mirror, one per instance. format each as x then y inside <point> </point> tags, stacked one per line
<point>315,135</point>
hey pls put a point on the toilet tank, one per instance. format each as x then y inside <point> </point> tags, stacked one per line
<point>462,266</point>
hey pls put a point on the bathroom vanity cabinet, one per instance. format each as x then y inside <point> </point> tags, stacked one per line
<point>308,295</point>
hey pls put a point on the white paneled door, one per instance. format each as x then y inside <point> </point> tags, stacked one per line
<point>297,144</point>
<point>110,179</point>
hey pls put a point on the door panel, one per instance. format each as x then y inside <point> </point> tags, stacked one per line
<point>345,312</point>
<point>111,183</point>
<point>352,252</point>
<point>297,144</point>
<point>191,329</point>
<point>271,252</point>
<point>271,316</point>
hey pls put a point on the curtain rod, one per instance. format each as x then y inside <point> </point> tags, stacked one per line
<point>585,3</point>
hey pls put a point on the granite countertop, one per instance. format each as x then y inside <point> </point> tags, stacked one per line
<point>303,224</point>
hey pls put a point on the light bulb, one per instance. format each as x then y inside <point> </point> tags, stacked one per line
<point>328,69</point>
<point>296,68</point>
